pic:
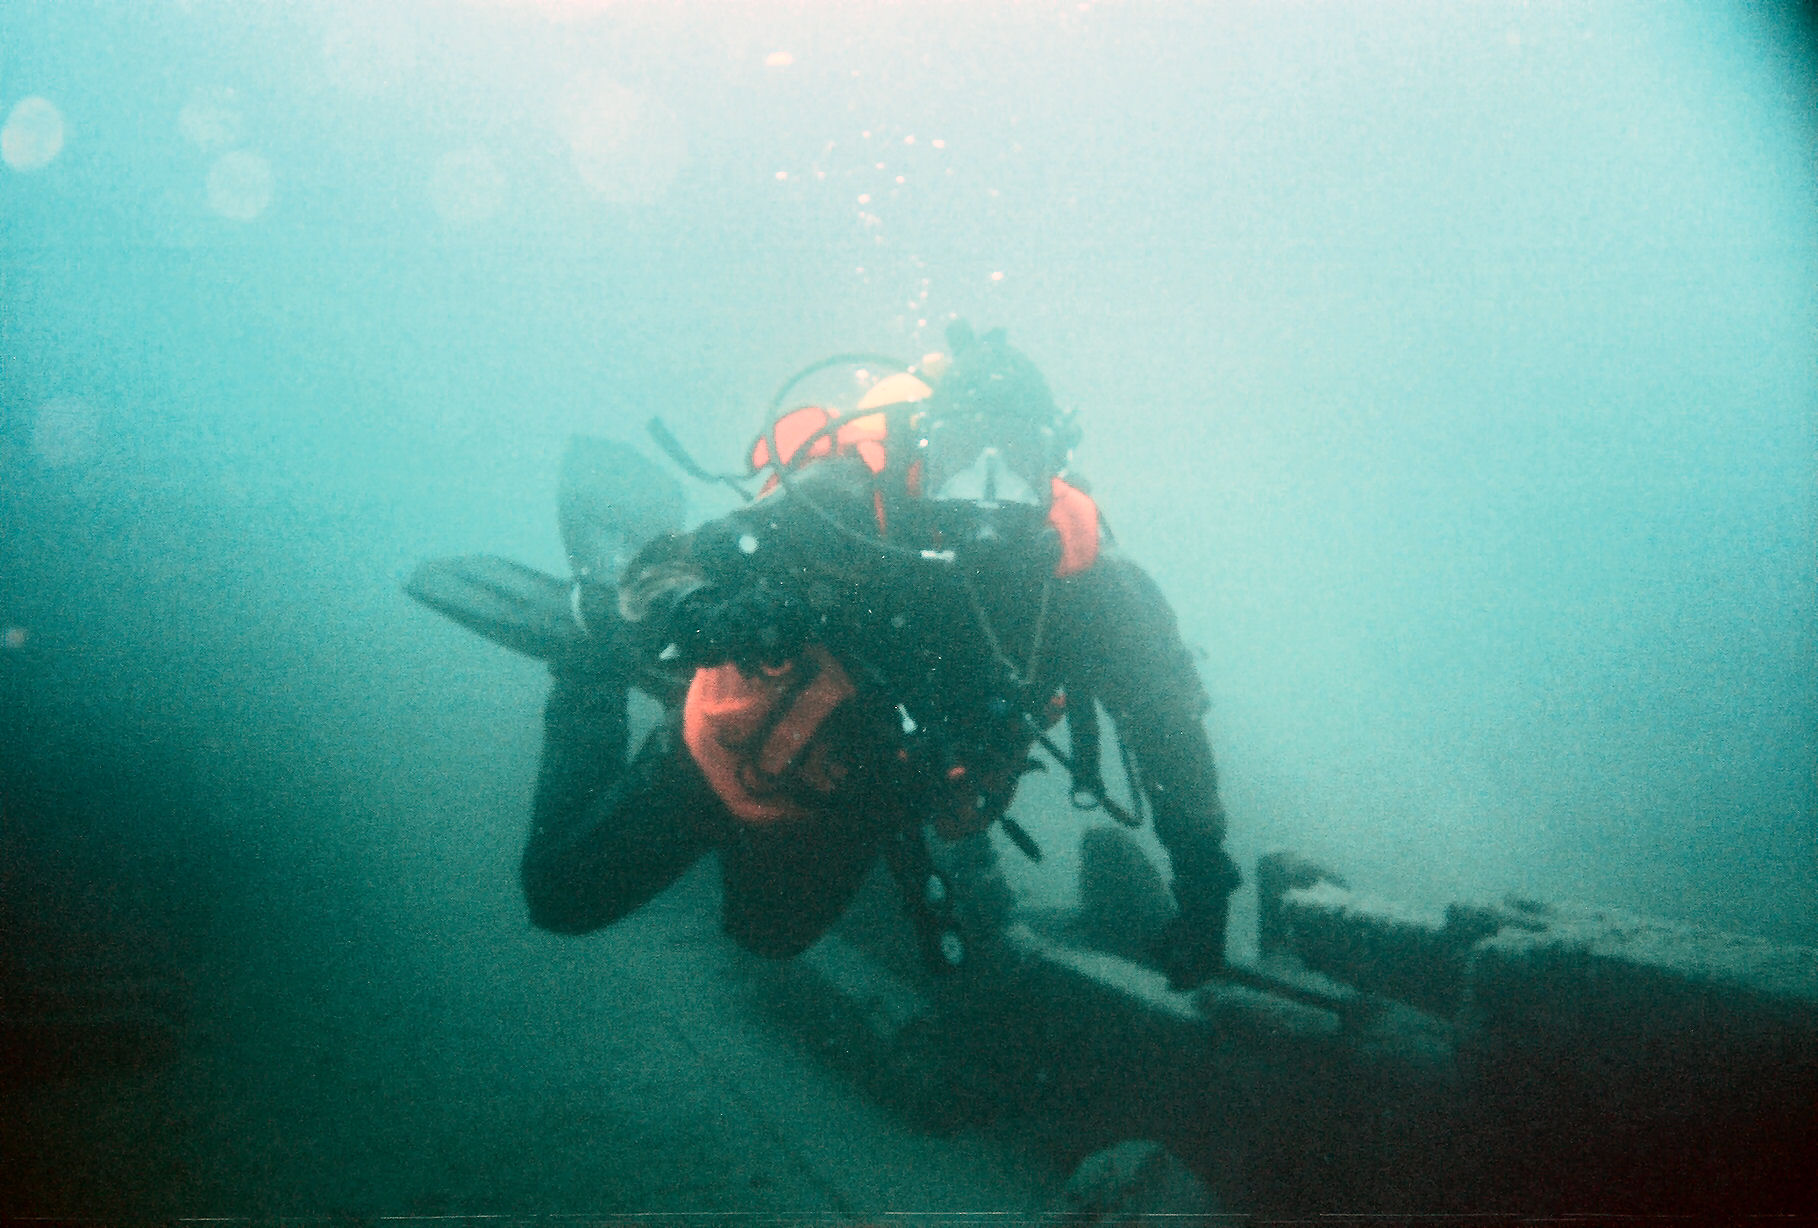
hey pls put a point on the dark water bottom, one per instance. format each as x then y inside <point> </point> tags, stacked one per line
<point>488,1070</point>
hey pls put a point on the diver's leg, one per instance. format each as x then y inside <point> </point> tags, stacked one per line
<point>605,839</point>
<point>785,885</point>
<point>1136,662</point>
<point>981,891</point>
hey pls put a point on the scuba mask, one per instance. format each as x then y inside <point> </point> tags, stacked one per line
<point>987,462</point>
<point>992,433</point>
<point>987,484</point>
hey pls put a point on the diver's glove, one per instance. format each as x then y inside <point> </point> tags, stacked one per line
<point>759,625</point>
<point>1191,950</point>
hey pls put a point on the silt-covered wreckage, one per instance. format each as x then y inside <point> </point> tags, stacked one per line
<point>1378,1057</point>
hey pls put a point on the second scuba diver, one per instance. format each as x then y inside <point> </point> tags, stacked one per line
<point>868,651</point>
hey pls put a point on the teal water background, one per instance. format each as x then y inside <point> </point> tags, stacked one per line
<point>1452,367</point>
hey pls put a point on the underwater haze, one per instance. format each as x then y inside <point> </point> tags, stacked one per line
<point>1452,368</point>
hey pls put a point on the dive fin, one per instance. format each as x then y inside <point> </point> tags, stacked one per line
<point>610,500</point>
<point>519,607</point>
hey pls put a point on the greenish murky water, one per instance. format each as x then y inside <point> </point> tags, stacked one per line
<point>1451,367</point>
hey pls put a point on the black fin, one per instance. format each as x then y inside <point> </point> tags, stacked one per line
<point>610,500</point>
<point>512,605</point>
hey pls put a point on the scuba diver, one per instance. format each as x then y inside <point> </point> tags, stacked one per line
<point>865,653</point>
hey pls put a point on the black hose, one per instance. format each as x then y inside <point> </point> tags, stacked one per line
<point>672,447</point>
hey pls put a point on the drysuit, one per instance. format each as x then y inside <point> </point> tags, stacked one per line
<point>968,648</point>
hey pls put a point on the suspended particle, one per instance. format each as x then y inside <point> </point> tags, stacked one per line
<point>778,59</point>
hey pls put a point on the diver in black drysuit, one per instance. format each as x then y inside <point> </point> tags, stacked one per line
<point>606,835</point>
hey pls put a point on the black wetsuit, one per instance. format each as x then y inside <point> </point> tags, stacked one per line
<point>606,836</point>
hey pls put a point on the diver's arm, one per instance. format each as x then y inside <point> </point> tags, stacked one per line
<point>1146,678</point>
<point>585,726</point>
<point>601,856</point>
<point>586,716</point>
<point>584,735</point>
<point>591,826</point>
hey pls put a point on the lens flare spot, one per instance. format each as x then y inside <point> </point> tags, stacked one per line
<point>33,134</point>
<point>66,431</point>
<point>467,187</point>
<point>626,148</point>
<point>211,120</point>
<point>240,186</point>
